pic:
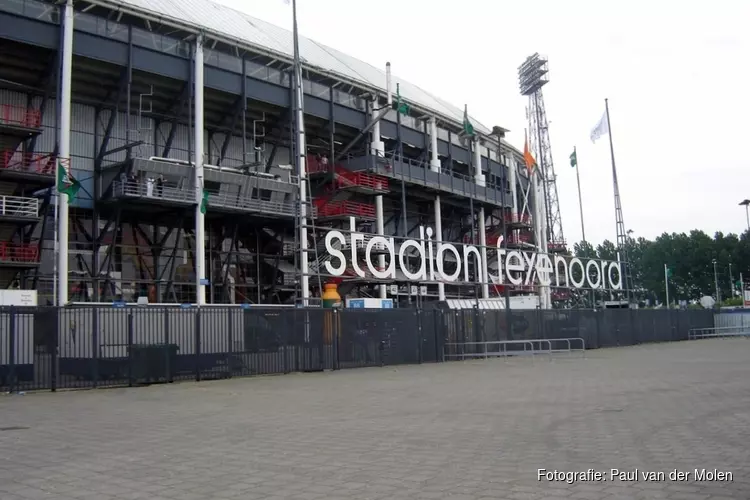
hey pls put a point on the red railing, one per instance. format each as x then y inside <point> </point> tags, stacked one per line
<point>560,294</point>
<point>18,252</point>
<point>347,178</point>
<point>343,208</point>
<point>314,166</point>
<point>38,163</point>
<point>20,116</point>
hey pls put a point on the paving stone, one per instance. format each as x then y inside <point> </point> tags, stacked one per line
<point>461,430</point>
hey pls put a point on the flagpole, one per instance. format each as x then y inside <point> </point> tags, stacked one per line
<point>666,283</point>
<point>580,200</point>
<point>618,204</point>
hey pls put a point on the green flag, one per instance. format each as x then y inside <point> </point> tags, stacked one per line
<point>468,127</point>
<point>669,273</point>
<point>204,202</point>
<point>66,183</point>
<point>398,104</point>
<point>573,159</point>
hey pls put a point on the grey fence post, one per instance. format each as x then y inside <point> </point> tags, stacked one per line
<point>95,345</point>
<point>198,345</point>
<point>12,350</point>
<point>130,348</point>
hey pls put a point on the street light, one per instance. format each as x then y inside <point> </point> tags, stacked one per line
<point>747,213</point>
<point>716,282</point>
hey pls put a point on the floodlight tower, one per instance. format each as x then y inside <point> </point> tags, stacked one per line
<point>532,76</point>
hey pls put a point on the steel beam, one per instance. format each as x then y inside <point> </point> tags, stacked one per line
<point>47,81</point>
<point>362,134</point>
<point>179,103</point>
<point>238,110</point>
<point>111,122</point>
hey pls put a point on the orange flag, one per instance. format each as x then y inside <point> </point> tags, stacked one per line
<point>530,161</point>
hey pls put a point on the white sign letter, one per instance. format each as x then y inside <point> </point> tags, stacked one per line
<point>335,253</point>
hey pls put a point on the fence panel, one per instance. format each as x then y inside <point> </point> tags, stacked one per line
<point>377,337</point>
<point>48,347</point>
<point>428,327</point>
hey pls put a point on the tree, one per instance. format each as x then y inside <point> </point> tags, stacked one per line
<point>689,258</point>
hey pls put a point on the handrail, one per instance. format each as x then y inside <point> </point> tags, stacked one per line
<point>19,206</point>
<point>344,208</point>
<point>38,163</point>
<point>20,115</point>
<point>718,332</point>
<point>18,252</point>
<point>190,195</point>
<point>502,344</point>
<point>152,190</point>
<point>463,182</point>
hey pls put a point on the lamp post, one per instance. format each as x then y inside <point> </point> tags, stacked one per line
<point>747,213</point>
<point>716,282</point>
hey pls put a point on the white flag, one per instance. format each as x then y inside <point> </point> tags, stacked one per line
<point>601,128</point>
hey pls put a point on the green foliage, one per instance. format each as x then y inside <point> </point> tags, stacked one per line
<point>690,261</point>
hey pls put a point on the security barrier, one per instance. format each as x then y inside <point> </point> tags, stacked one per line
<point>96,346</point>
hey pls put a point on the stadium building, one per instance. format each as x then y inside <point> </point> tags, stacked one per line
<point>171,125</point>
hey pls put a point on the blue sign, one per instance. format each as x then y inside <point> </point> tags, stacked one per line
<point>119,304</point>
<point>356,304</point>
<point>245,306</point>
<point>387,303</point>
<point>186,306</point>
<point>204,282</point>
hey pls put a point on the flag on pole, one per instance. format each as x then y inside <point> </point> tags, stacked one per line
<point>398,104</point>
<point>468,127</point>
<point>66,183</point>
<point>573,159</point>
<point>601,128</point>
<point>527,156</point>
<point>204,202</point>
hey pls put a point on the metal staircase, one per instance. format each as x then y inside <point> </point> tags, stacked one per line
<point>21,173</point>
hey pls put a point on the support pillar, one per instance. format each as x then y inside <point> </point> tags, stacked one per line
<point>65,108</point>
<point>434,160</point>
<point>478,175</point>
<point>377,146</point>
<point>377,149</point>
<point>513,187</point>
<point>541,232</point>
<point>483,252</point>
<point>200,220</point>
<point>379,227</point>
<point>439,240</point>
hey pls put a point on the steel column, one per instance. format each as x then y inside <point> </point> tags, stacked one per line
<point>483,242</point>
<point>65,109</point>
<point>439,240</point>
<point>200,220</point>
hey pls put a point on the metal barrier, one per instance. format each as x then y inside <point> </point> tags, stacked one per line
<point>569,342</point>
<point>502,351</point>
<point>727,331</point>
<point>99,345</point>
<point>487,352</point>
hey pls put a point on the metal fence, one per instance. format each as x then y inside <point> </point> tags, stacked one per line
<point>54,348</point>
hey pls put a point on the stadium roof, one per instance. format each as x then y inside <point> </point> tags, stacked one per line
<point>239,28</point>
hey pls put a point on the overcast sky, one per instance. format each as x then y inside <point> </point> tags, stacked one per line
<point>675,72</point>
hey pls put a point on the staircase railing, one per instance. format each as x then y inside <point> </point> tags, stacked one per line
<point>18,206</point>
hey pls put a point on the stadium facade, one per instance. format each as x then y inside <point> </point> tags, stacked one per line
<point>156,84</point>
